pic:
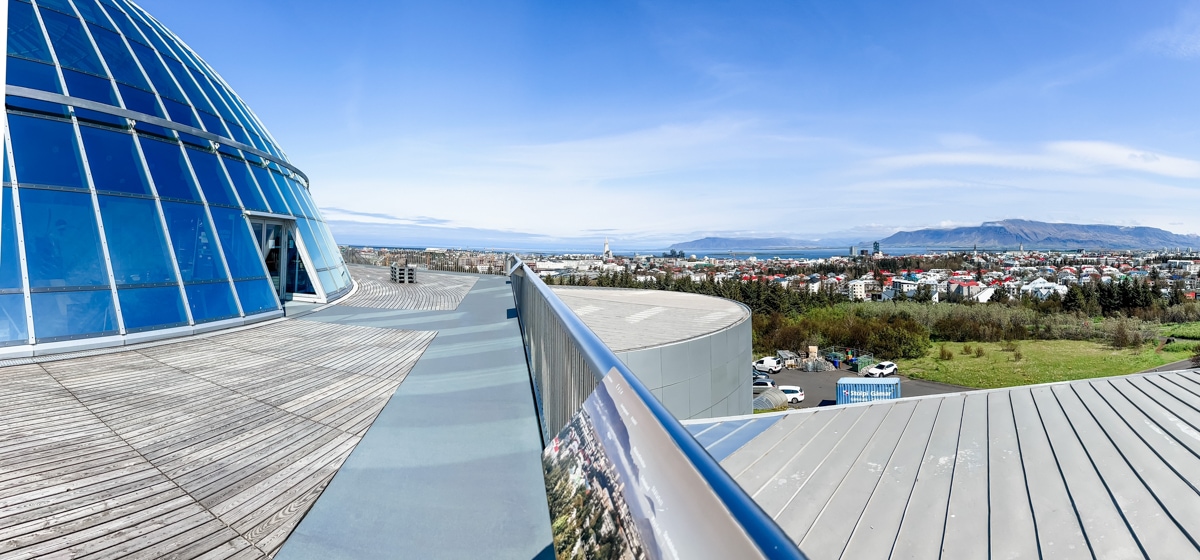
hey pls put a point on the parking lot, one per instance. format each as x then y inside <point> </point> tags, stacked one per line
<point>821,387</point>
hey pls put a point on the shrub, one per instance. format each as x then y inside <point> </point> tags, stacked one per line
<point>979,352</point>
<point>945,354</point>
<point>967,350</point>
<point>1017,355</point>
<point>1008,346</point>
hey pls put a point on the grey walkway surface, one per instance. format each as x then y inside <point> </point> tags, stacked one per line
<point>451,468</point>
<point>1103,468</point>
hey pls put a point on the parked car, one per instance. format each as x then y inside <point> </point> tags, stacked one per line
<point>770,364</point>
<point>882,369</point>
<point>794,393</point>
<point>759,375</point>
<point>761,385</point>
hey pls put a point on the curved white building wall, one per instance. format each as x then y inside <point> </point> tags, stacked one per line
<point>692,351</point>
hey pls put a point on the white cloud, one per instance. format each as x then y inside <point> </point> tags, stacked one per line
<point>1087,157</point>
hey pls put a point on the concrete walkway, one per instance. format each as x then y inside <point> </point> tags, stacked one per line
<point>451,468</point>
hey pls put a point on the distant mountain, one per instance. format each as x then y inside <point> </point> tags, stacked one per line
<point>741,244</point>
<point>1008,234</point>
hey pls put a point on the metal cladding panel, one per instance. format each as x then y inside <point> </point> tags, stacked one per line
<point>852,390</point>
<point>1099,468</point>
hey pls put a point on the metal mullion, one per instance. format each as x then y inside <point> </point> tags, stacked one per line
<point>242,206</point>
<point>103,63</point>
<point>12,173</point>
<point>262,191</point>
<point>162,219</point>
<point>213,226</point>
<point>132,55</point>
<point>112,278</point>
<point>157,95</point>
<point>37,12</point>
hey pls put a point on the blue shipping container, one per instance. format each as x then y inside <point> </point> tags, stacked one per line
<point>859,389</point>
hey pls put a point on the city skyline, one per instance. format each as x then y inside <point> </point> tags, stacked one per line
<point>655,123</point>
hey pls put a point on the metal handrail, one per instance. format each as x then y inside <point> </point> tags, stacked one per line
<point>759,526</point>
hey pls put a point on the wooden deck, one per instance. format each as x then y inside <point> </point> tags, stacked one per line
<point>213,447</point>
<point>433,291</point>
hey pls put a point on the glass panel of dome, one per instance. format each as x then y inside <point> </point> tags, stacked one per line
<point>151,308</point>
<point>71,45</point>
<point>90,87</point>
<point>45,150</point>
<point>310,243</point>
<point>10,256</point>
<point>120,62</point>
<point>25,104</point>
<point>114,161</point>
<point>25,38</point>
<point>60,5</point>
<point>189,86</point>
<point>30,74</point>
<point>240,173</point>
<point>241,251</point>
<point>211,302</point>
<point>268,189</point>
<point>136,246</point>
<point>238,132</point>
<point>257,296</point>
<point>195,247</point>
<point>13,327</point>
<point>327,281</point>
<point>122,21</point>
<point>158,73</point>
<point>169,170</point>
<point>180,113</point>
<point>92,13</point>
<point>65,315</point>
<point>288,197</point>
<point>140,100</point>
<point>301,197</point>
<point>96,117</point>
<point>213,124</point>
<point>62,242</point>
<point>216,187</point>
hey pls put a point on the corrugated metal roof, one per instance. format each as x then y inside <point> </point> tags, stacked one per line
<point>1104,468</point>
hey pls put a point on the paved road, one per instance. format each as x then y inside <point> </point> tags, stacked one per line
<point>1176,366</point>
<point>822,386</point>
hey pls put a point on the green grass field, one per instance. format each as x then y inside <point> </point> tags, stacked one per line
<point>1043,361</point>
<point>1182,330</point>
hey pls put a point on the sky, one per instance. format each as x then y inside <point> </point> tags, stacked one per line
<point>554,124</point>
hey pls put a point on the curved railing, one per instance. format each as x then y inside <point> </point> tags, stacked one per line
<point>569,365</point>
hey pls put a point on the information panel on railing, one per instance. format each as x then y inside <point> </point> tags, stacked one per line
<point>619,487</point>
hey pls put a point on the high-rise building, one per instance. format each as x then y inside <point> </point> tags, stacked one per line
<point>142,197</point>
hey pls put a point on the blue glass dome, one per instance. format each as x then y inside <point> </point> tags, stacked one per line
<point>142,198</point>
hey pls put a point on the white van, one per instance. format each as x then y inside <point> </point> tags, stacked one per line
<point>770,364</point>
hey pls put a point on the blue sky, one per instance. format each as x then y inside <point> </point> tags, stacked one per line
<point>551,123</point>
